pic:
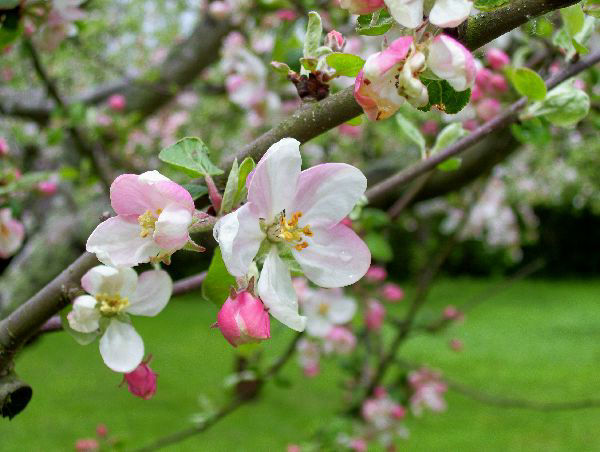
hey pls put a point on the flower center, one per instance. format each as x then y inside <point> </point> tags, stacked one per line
<point>292,233</point>
<point>147,221</point>
<point>323,309</point>
<point>111,305</point>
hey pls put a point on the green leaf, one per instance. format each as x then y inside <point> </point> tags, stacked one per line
<point>543,27</point>
<point>80,338</point>
<point>448,135</point>
<point>25,182</point>
<point>444,97</point>
<point>452,164</point>
<point>489,5</point>
<point>10,24</point>
<point>314,30</point>
<point>380,248</point>
<point>410,131</point>
<point>191,156</point>
<point>374,218</point>
<point>564,105</point>
<point>231,189</point>
<point>592,8</point>
<point>573,19</point>
<point>532,131</point>
<point>355,121</point>
<point>246,168</point>
<point>345,63</point>
<point>528,83</point>
<point>374,24</point>
<point>218,281</point>
<point>196,190</point>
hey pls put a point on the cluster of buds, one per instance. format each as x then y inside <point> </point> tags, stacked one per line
<point>428,391</point>
<point>383,417</point>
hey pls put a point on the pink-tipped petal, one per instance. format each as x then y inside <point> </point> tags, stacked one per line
<point>450,13</point>
<point>171,229</point>
<point>451,61</point>
<point>152,294</point>
<point>110,280</point>
<point>408,13</point>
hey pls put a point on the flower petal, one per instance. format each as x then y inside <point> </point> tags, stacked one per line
<point>117,242</point>
<point>239,237</point>
<point>450,13</point>
<point>318,326</point>
<point>84,317</point>
<point>171,228</point>
<point>153,292</point>
<point>110,280</point>
<point>121,347</point>
<point>341,310</point>
<point>273,184</point>
<point>277,293</point>
<point>408,13</point>
<point>451,61</point>
<point>327,193</point>
<point>335,257</point>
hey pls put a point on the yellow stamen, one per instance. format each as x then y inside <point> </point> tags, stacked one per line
<point>147,221</point>
<point>111,305</point>
<point>291,232</point>
<point>323,309</point>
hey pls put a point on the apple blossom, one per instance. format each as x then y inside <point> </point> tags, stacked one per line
<point>308,357</point>
<point>339,340</point>
<point>483,78</point>
<point>374,315</point>
<point>101,430</point>
<point>325,308</point>
<point>498,83</point>
<point>358,445</point>
<point>381,411</point>
<point>334,40</point>
<point>295,214</point>
<point>497,58</point>
<point>456,344</point>
<point>376,273</point>
<point>47,187</point>
<point>488,108</point>
<point>389,78</point>
<point>431,127</point>
<point>428,391</point>
<point>142,381</point>
<point>117,102</point>
<point>361,6</point>
<point>114,293</point>
<point>392,292</point>
<point>12,233</point>
<point>451,61</point>
<point>87,445</point>
<point>444,14</point>
<point>153,217</point>
<point>4,148</point>
<point>243,319</point>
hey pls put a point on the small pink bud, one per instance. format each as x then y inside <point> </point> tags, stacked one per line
<point>398,411</point>
<point>103,120</point>
<point>47,187</point>
<point>379,392</point>
<point>213,193</point>
<point>392,292</point>
<point>554,68</point>
<point>350,131</point>
<point>220,10</point>
<point>498,83</point>
<point>86,445</point>
<point>311,370</point>
<point>375,315</point>
<point>346,222</point>
<point>3,147</point>
<point>450,312</point>
<point>243,320</point>
<point>117,102</point>
<point>470,124</point>
<point>430,127</point>
<point>341,340</point>
<point>579,84</point>
<point>101,430</point>
<point>358,445</point>
<point>376,273</point>
<point>497,58</point>
<point>286,14</point>
<point>476,93</point>
<point>483,78</point>
<point>142,381</point>
<point>293,448</point>
<point>456,344</point>
<point>488,108</point>
<point>17,173</point>
<point>334,40</point>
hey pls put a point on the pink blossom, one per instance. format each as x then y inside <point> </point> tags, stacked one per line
<point>12,233</point>
<point>428,391</point>
<point>286,14</point>
<point>483,78</point>
<point>87,445</point>
<point>4,148</point>
<point>488,108</point>
<point>497,58</point>
<point>451,61</point>
<point>392,292</point>
<point>47,187</point>
<point>103,120</point>
<point>382,412</point>
<point>153,217</point>
<point>346,222</point>
<point>430,127</point>
<point>476,93</point>
<point>326,308</point>
<point>334,40</point>
<point>309,355</point>
<point>470,124</point>
<point>579,84</point>
<point>350,131</point>
<point>361,6</point>
<point>117,102</point>
<point>340,340</point>
<point>312,370</point>
<point>498,83</point>
<point>142,381</point>
<point>243,320</point>
<point>380,392</point>
<point>375,315</point>
<point>398,411</point>
<point>452,313</point>
<point>358,445</point>
<point>456,344</point>
<point>376,273</point>
<point>220,10</point>
<point>293,448</point>
<point>101,430</point>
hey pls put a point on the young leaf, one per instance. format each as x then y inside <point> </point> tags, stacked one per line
<point>564,106</point>
<point>410,131</point>
<point>196,190</point>
<point>452,164</point>
<point>444,97</point>
<point>374,24</point>
<point>312,40</point>
<point>448,135</point>
<point>345,63</point>
<point>231,189</point>
<point>355,121</point>
<point>190,155</point>
<point>489,5</point>
<point>218,281</point>
<point>528,83</point>
<point>380,248</point>
<point>246,168</point>
<point>573,18</point>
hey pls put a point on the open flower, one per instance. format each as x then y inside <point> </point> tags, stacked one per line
<point>12,233</point>
<point>445,13</point>
<point>153,217</point>
<point>114,293</point>
<point>326,308</point>
<point>296,214</point>
<point>451,61</point>
<point>389,78</point>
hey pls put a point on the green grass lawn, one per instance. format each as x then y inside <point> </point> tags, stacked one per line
<point>538,340</point>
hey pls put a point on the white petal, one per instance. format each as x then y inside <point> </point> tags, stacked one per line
<point>450,13</point>
<point>117,242</point>
<point>110,280</point>
<point>341,310</point>
<point>335,257</point>
<point>318,326</point>
<point>84,317</point>
<point>277,293</point>
<point>153,292</point>
<point>273,184</point>
<point>121,347</point>
<point>171,228</point>
<point>327,193</point>
<point>408,13</point>
<point>239,237</point>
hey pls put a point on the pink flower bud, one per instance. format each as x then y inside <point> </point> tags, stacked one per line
<point>483,78</point>
<point>101,430</point>
<point>117,102</point>
<point>362,6</point>
<point>142,381</point>
<point>311,370</point>
<point>430,127</point>
<point>350,131</point>
<point>497,58</point>
<point>379,392</point>
<point>451,61</point>
<point>47,187</point>
<point>376,273</point>
<point>375,315</point>
<point>488,108</point>
<point>398,411</point>
<point>243,320</point>
<point>341,340</point>
<point>554,68</point>
<point>498,83</point>
<point>358,445</point>
<point>346,222</point>
<point>334,40</point>
<point>392,292</point>
<point>3,147</point>
<point>286,14</point>
<point>219,10</point>
<point>579,84</point>
<point>476,93</point>
<point>456,344</point>
<point>87,445</point>
<point>470,124</point>
<point>450,312</point>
